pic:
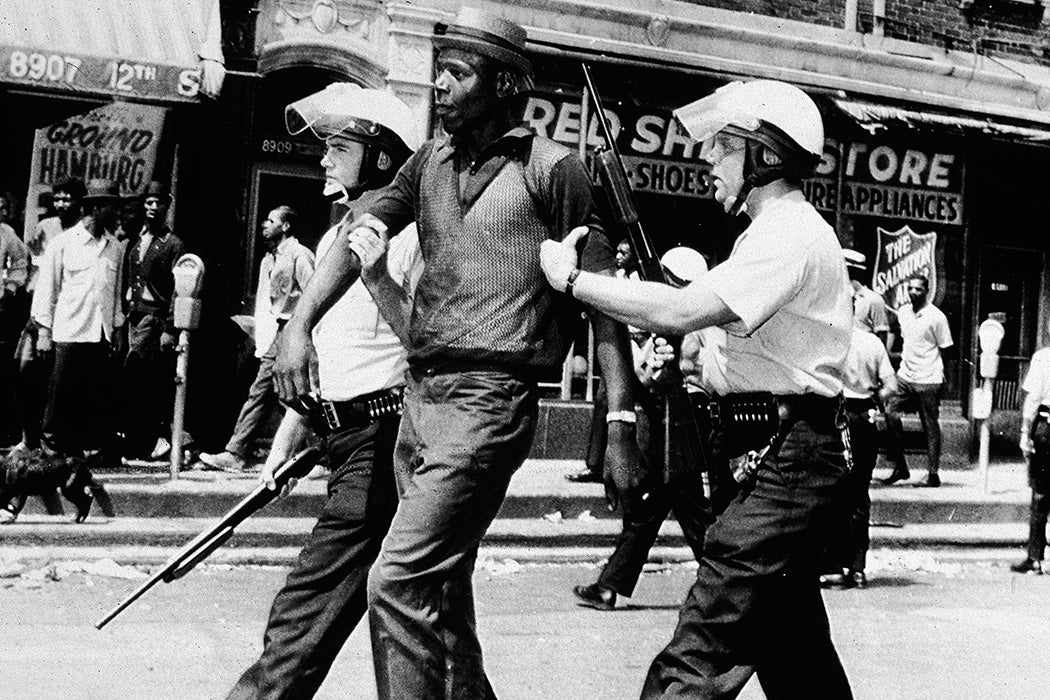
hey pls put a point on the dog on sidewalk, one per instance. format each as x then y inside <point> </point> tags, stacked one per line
<point>25,473</point>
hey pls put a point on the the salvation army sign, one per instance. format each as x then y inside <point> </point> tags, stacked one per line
<point>115,142</point>
<point>902,254</point>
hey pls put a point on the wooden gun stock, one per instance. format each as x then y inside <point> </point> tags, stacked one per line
<point>197,550</point>
<point>684,446</point>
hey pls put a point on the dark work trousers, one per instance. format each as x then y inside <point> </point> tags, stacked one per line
<point>1039,481</point>
<point>324,596</point>
<point>682,492</point>
<point>756,605</point>
<point>925,399</point>
<point>463,435</point>
<point>848,544</point>
<point>148,380</point>
<point>14,311</point>
<point>261,402</point>
<point>81,400</point>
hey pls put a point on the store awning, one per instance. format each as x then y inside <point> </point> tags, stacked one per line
<point>875,117</point>
<point>151,50</point>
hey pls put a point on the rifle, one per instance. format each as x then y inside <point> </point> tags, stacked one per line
<point>680,419</point>
<point>197,549</point>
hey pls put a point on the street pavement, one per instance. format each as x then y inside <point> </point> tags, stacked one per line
<point>934,625</point>
<point>543,516</point>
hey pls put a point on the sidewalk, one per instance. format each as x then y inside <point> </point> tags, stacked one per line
<point>542,512</point>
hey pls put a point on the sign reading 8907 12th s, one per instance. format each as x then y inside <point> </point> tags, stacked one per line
<point>97,74</point>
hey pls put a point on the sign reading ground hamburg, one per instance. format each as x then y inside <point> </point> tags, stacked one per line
<point>660,158</point>
<point>115,142</point>
<point>901,254</point>
<point>888,181</point>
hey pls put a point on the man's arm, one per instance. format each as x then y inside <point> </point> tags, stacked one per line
<point>623,472</point>
<point>392,298</point>
<point>296,367</point>
<point>289,438</point>
<point>17,264</point>
<point>45,295</point>
<point>655,307</point>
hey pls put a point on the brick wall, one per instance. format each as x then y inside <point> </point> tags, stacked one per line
<point>998,28</point>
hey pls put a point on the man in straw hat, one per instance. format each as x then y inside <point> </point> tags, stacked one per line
<point>483,327</point>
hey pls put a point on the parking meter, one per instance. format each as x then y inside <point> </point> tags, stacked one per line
<point>189,278</point>
<point>990,336</point>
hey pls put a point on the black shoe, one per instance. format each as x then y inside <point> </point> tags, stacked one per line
<point>932,482</point>
<point>585,476</point>
<point>898,474</point>
<point>1028,566</point>
<point>860,581</point>
<point>838,581</point>
<point>594,596</point>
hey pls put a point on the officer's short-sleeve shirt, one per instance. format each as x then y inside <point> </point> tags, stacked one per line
<point>867,366</point>
<point>869,311</point>
<point>786,281</point>
<point>924,334</point>
<point>1037,380</point>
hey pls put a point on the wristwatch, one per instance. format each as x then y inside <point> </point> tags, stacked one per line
<point>571,280</point>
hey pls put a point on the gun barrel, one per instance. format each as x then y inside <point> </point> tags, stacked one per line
<point>197,549</point>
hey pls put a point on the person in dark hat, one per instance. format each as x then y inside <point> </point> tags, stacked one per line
<point>149,365</point>
<point>483,326</point>
<point>76,306</point>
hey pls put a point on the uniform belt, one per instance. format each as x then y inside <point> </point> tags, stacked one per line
<point>763,408</point>
<point>358,412</point>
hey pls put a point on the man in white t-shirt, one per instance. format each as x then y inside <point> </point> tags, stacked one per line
<point>925,336</point>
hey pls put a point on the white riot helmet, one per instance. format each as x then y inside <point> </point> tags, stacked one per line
<point>781,124</point>
<point>683,265</point>
<point>375,118</point>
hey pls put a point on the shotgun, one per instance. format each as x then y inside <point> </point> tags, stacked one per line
<point>198,549</point>
<point>683,447</point>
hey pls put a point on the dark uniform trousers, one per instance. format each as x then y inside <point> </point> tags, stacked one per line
<point>756,605</point>
<point>463,435</point>
<point>849,541</point>
<point>324,596</point>
<point>1039,481</point>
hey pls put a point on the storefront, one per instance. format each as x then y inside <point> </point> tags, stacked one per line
<point>92,93</point>
<point>913,173</point>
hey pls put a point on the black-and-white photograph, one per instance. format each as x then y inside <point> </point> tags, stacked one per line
<point>463,350</point>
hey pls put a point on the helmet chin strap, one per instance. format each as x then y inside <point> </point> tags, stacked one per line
<point>336,193</point>
<point>762,166</point>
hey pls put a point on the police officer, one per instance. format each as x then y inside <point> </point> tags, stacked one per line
<point>783,298</point>
<point>361,366</point>
<point>869,382</point>
<point>1035,444</point>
